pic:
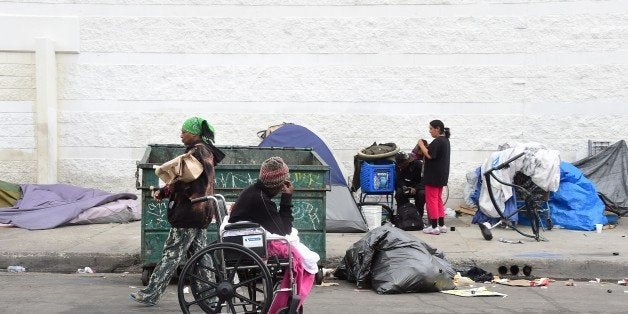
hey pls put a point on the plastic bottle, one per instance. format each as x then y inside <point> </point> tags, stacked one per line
<point>16,269</point>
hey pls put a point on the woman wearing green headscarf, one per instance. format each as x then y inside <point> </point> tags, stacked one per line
<point>199,126</point>
<point>188,221</point>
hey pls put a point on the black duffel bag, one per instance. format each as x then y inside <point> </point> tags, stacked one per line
<point>408,218</point>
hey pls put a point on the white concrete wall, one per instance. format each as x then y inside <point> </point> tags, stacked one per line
<point>354,72</point>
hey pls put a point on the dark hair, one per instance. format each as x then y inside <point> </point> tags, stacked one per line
<point>206,132</point>
<point>401,157</point>
<point>437,124</point>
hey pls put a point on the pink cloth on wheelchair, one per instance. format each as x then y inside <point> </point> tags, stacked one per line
<point>304,281</point>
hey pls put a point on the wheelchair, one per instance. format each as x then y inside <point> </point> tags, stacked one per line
<point>235,274</point>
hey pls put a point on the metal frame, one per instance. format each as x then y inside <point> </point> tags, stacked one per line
<point>223,292</point>
<point>530,206</point>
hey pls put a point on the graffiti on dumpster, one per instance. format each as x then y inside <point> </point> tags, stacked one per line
<point>157,213</point>
<point>307,179</point>
<point>234,180</point>
<point>306,215</point>
<point>241,180</point>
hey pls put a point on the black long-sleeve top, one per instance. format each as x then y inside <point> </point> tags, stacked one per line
<point>255,204</point>
<point>436,172</point>
<point>410,176</point>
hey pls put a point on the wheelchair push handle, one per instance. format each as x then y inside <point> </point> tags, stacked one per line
<point>200,199</point>
<point>506,163</point>
<point>220,202</point>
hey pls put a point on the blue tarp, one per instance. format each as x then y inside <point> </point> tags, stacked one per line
<point>576,205</point>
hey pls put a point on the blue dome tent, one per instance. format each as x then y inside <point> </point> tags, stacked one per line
<point>342,214</point>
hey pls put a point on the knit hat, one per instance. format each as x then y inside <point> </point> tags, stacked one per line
<point>273,172</point>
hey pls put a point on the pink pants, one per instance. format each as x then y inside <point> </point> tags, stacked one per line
<point>434,201</point>
<point>304,280</point>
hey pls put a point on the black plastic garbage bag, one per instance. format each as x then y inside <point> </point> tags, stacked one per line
<point>390,260</point>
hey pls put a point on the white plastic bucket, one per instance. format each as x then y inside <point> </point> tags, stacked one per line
<point>372,215</point>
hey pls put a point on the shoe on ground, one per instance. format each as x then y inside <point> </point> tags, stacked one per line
<point>139,298</point>
<point>430,230</point>
<point>442,229</point>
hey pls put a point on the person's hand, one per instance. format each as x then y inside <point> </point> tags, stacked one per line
<point>421,143</point>
<point>287,188</point>
<point>409,191</point>
<point>155,195</point>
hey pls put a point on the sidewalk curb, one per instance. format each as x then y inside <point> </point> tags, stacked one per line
<point>552,268</point>
<point>562,268</point>
<point>51,262</point>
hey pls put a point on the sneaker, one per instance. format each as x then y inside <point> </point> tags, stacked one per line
<point>430,230</point>
<point>442,229</point>
<point>139,298</point>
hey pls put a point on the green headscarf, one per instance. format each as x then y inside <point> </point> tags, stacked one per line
<point>199,126</point>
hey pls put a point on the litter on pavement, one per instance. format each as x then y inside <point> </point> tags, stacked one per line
<point>85,270</point>
<point>16,269</point>
<point>460,280</point>
<point>510,241</point>
<point>524,282</point>
<point>475,292</point>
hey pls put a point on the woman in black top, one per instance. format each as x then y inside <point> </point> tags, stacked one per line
<point>436,175</point>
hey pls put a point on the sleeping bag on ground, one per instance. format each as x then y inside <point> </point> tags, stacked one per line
<point>390,260</point>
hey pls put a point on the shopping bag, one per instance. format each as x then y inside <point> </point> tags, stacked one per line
<point>184,167</point>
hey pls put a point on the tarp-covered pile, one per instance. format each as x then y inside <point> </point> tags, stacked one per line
<point>573,204</point>
<point>45,206</point>
<point>390,260</point>
<point>539,163</point>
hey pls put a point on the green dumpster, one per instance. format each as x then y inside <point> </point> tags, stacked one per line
<point>239,169</point>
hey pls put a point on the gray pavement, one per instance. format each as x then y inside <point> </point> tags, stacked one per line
<point>116,248</point>
<point>108,293</point>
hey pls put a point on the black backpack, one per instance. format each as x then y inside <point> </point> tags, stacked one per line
<point>407,218</point>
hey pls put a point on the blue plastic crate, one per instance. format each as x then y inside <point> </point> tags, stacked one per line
<point>377,178</point>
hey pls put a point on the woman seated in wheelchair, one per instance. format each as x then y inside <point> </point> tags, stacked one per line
<point>255,204</point>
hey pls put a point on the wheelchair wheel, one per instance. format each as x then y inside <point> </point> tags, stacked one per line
<point>225,278</point>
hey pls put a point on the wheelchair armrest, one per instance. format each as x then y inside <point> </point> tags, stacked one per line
<point>241,225</point>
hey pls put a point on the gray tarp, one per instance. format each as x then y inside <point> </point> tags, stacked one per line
<point>391,260</point>
<point>609,171</point>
